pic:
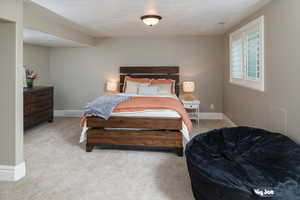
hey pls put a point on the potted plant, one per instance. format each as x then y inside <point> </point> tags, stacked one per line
<point>30,77</point>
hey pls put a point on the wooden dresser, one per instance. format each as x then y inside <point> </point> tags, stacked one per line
<point>38,106</point>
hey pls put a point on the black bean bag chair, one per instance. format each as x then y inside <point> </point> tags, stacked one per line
<point>244,163</point>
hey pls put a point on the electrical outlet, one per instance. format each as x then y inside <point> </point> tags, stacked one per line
<point>212,106</point>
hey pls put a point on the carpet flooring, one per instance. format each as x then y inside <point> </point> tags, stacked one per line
<point>58,168</point>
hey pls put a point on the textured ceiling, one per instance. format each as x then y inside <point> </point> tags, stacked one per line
<point>115,18</point>
<point>44,39</point>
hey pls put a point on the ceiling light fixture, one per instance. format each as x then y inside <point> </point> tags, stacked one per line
<point>151,20</point>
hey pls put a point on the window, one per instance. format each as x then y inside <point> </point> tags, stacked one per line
<point>247,55</point>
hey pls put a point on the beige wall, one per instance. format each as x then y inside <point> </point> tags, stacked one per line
<point>79,74</point>
<point>37,59</point>
<point>278,107</point>
<point>11,102</point>
<point>39,18</point>
<point>7,57</point>
<point>8,10</point>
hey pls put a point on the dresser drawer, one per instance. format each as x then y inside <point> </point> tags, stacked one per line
<point>27,98</point>
<point>41,95</point>
<point>27,109</point>
<point>41,116</point>
<point>41,106</point>
<point>27,122</point>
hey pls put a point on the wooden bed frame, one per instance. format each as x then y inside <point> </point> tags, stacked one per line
<point>160,134</point>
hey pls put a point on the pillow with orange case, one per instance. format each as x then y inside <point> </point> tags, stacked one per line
<point>134,83</point>
<point>166,86</point>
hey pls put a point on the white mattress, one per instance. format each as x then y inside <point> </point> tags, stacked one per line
<point>149,113</point>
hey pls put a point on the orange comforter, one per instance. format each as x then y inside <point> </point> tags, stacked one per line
<point>153,103</point>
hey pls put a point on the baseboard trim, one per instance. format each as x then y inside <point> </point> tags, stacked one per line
<point>225,117</point>
<point>12,173</point>
<point>211,116</point>
<point>68,113</point>
<point>79,113</point>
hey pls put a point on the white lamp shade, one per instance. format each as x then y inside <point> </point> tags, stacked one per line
<point>189,86</point>
<point>111,86</point>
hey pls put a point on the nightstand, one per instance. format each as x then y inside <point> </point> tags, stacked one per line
<point>193,109</point>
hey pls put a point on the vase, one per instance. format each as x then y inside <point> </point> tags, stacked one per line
<point>29,83</point>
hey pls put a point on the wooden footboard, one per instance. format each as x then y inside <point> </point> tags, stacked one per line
<point>160,133</point>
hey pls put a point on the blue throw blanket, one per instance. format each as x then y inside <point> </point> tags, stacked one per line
<point>103,106</point>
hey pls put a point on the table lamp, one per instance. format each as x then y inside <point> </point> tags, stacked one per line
<point>188,89</point>
<point>112,87</point>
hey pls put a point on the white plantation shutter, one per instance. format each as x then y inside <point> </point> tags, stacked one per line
<point>237,57</point>
<point>253,54</point>
<point>247,55</point>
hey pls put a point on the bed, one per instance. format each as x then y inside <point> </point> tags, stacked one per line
<point>142,130</point>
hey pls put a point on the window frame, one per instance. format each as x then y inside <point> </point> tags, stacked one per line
<point>258,84</point>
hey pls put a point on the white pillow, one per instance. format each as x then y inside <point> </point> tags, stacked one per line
<point>132,87</point>
<point>165,89</point>
<point>148,90</point>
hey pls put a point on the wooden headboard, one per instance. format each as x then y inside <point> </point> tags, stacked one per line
<point>166,72</point>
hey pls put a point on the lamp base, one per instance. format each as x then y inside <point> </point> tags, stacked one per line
<point>112,92</point>
<point>188,97</point>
